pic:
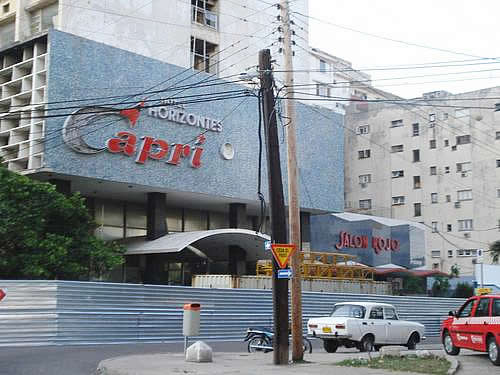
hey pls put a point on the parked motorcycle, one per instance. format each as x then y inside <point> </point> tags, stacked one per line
<point>261,340</point>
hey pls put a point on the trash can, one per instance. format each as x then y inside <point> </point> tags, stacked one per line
<point>191,320</point>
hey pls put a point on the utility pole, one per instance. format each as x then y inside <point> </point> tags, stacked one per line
<point>277,204</point>
<point>293,194</point>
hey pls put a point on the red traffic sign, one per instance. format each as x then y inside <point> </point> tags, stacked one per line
<point>282,253</point>
<point>2,294</point>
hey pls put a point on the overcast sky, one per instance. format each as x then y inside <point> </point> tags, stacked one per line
<point>471,29</point>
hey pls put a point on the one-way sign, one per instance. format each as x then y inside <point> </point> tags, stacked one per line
<point>285,273</point>
<point>2,294</point>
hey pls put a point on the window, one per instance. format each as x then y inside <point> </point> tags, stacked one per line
<point>434,226</point>
<point>396,174</point>
<point>498,163</point>
<point>396,123</point>
<point>466,310</point>
<point>432,143</point>
<point>497,135</point>
<point>416,182</point>
<point>390,313</point>
<point>445,116</point>
<point>43,19</point>
<point>464,167</point>
<point>6,8</point>
<point>436,254</point>
<point>416,156</point>
<point>363,154</point>
<point>464,195</point>
<point>397,148</point>
<point>446,143</point>
<point>465,224</point>
<point>467,252</point>
<point>376,313</point>
<point>483,307</point>
<point>349,311</point>
<point>203,13</point>
<point>416,130</point>
<point>448,227</point>
<point>498,193</point>
<point>462,113</point>
<point>322,65</point>
<point>363,129</point>
<point>446,169</point>
<point>322,89</point>
<point>365,178</point>
<point>495,309</point>
<point>203,55</point>
<point>396,201</point>
<point>448,198</point>
<point>417,208</point>
<point>434,197</point>
<point>365,204</point>
<point>450,253</point>
<point>463,139</point>
<point>432,117</point>
<point>433,171</point>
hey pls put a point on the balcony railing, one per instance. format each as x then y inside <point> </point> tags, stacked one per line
<point>204,17</point>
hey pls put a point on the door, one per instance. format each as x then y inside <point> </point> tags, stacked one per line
<point>377,324</point>
<point>396,331</point>
<point>460,328</point>
<point>480,324</point>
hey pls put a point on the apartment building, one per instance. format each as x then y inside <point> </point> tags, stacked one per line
<point>338,84</point>
<point>436,162</point>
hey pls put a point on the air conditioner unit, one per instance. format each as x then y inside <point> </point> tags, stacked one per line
<point>467,235</point>
<point>464,174</point>
<point>454,148</point>
<point>457,204</point>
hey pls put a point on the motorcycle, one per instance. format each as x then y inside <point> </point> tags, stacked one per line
<point>261,340</point>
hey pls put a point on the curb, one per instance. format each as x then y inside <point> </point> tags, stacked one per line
<point>455,365</point>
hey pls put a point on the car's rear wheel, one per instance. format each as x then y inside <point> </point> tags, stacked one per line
<point>330,346</point>
<point>493,351</point>
<point>366,344</point>
<point>448,345</point>
<point>413,341</point>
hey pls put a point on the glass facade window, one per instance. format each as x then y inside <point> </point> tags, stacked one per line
<point>465,224</point>
<point>417,207</point>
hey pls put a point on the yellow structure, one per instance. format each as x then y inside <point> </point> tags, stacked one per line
<point>316,265</point>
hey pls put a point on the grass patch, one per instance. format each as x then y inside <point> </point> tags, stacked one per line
<point>411,363</point>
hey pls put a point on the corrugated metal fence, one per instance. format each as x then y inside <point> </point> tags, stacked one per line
<point>65,312</point>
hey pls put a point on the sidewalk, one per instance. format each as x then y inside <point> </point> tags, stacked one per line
<point>236,363</point>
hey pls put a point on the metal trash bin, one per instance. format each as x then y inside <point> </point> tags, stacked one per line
<point>191,319</point>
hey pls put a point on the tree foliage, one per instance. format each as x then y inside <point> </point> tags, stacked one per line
<point>463,290</point>
<point>440,287</point>
<point>46,235</point>
<point>495,251</point>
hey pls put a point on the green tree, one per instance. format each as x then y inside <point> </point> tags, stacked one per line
<point>455,270</point>
<point>46,235</point>
<point>463,290</point>
<point>440,287</point>
<point>495,251</point>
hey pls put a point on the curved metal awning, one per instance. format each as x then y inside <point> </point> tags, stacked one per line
<point>209,240</point>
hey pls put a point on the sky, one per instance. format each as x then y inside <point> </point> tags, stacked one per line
<point>469,30</point>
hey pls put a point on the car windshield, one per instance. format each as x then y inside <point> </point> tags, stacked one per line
<point>350,311</point>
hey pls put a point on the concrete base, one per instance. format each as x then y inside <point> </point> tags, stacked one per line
<point>199,352</point>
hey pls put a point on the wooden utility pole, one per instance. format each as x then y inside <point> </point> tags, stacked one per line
<point>277,204</point>
<point>293,194</point>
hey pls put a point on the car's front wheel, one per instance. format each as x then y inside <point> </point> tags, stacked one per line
<point>493,351</point>
<point>413,341</point>
<point>330,346</point>
<point>448,345</point>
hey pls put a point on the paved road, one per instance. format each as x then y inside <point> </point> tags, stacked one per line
<point>83,360</point>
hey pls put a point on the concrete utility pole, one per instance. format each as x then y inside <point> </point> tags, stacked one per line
<point>277,204</point>
<point>293,194</point>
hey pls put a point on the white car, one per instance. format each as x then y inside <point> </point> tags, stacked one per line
<point>366,326</point>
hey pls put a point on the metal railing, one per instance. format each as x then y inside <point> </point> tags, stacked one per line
<point>65,312</point>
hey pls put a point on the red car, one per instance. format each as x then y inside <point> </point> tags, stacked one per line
<point>475,326</point>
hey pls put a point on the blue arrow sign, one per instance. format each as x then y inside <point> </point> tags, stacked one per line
<point>285,273</point>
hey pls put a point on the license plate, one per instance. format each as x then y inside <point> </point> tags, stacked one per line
<point>327,330</point>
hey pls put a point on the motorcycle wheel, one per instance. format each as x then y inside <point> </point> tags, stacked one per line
<point>258,341</point>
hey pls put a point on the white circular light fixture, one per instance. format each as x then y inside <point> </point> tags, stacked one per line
<point>227,151</point>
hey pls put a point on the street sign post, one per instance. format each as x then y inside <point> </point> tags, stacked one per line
<point>285,273</point>
<point>282,253</point>
<point>2,294</point>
